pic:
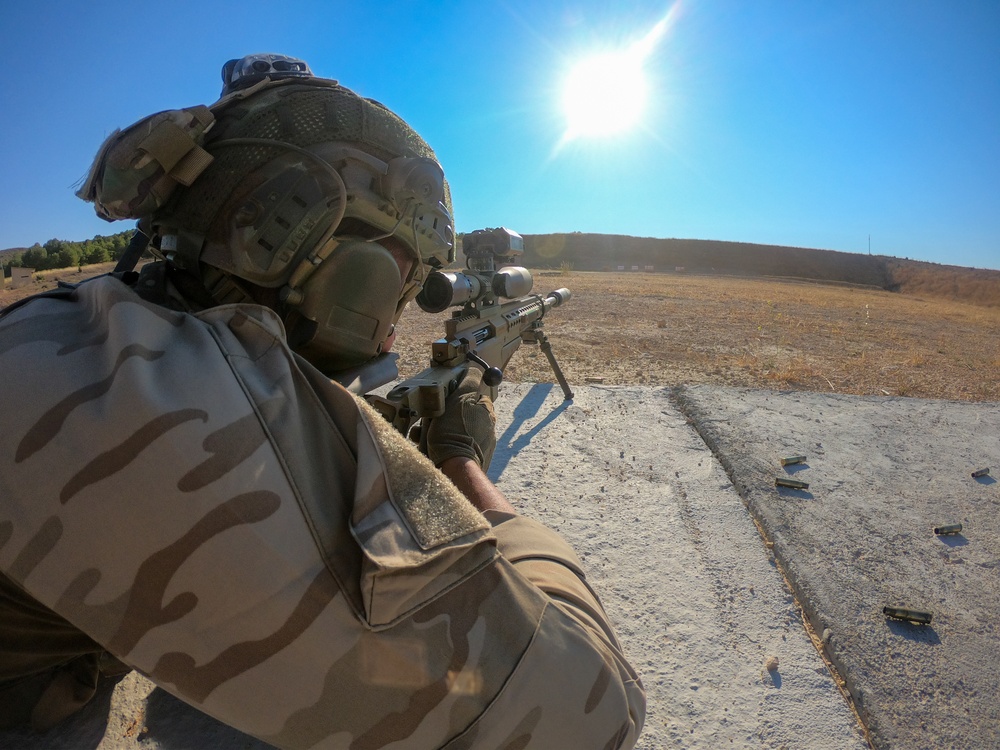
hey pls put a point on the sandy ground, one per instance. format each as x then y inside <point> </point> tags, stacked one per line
<point>670,329</point>
<point>883,473</point>
<point>667,542</point>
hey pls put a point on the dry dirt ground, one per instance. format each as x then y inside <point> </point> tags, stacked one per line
<point>669,329</point>
<point>666,329</point>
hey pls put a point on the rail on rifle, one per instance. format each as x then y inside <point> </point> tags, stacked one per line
<point>497,313</point>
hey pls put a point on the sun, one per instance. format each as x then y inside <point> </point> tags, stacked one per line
<point>604,95</point>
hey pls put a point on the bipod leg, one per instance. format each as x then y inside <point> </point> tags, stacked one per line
<point>543,342</point>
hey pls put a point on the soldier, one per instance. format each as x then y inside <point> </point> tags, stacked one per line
<point>184,491</point>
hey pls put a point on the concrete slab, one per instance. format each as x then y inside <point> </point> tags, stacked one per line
<point>698,601</point>
<point>668,543</point>
<point>882,474</point>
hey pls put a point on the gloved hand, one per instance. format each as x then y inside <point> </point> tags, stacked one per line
<point>467,427</point>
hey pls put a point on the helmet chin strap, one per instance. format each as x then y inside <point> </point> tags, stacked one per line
<point>292,292</point>
<point>224,288</point>
<point>137,244</point>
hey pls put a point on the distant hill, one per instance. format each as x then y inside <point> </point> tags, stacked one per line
<point>604,252</point>
<point>4,254</point>
<point>608,252</point>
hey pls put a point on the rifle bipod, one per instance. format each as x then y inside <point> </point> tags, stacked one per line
<point>535,333</point>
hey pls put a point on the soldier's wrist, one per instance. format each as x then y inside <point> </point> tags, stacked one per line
<point>454,465</point>
<point>466,474</point>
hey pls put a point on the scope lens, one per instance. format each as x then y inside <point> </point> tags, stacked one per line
<point>436,294</point>
<point>444,289</point>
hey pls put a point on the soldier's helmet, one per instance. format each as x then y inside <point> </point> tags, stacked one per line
<point>293,184</point>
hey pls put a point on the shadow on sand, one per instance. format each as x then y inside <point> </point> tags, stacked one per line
<point>507,445</point>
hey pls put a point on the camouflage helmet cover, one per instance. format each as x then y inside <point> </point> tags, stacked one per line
<point>184,168</point>
<point>269,183</point>
<point>316,119</point>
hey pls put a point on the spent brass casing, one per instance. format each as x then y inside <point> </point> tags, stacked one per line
<point>793,460</point>
<point>794,483</point>
<point>949,528</point>
<point>910,615</point>
<point>980,473</point>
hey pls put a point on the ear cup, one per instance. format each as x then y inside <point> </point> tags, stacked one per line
<point>347,308</point>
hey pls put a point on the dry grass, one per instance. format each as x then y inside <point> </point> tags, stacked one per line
<point>918,279</point>
<point>664,329</point>
<point>44,280</point>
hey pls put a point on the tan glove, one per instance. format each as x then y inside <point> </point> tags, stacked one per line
<point>467,427</point>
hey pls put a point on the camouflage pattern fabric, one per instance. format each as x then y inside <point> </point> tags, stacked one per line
<point>136,171</point>
<point>211,510</point>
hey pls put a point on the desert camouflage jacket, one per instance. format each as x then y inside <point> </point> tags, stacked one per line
<point>222,518</point>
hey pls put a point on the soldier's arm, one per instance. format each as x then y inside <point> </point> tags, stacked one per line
<point>472,482</point>
<point>540,554</point>
<point>546,560</point>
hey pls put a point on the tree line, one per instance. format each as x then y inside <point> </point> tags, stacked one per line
<point>56,254</point>
<point>66,254</point>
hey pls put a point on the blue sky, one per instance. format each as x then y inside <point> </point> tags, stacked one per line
<point>791,122</point>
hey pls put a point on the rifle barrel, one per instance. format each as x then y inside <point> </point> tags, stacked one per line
<point>537,307</point>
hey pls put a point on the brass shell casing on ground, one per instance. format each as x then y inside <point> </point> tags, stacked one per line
<point>910,615</point>
<point>950,528</point>
<point>793,483</point>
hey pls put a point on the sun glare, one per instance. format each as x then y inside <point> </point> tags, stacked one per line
<point>606,94</point>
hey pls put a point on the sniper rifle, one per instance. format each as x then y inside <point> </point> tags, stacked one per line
<point>485,330</point>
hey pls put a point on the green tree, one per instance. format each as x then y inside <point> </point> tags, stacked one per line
<point>97,253</point>
<point>118,244</point>
<point>67,257</point>
<point>36,257</point>
<point>56,253</point>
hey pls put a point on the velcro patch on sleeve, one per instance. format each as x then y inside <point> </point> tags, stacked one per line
<point>436,512</point>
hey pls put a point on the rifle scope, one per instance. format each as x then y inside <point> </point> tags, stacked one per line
<point>485,250</point>
<point>444,289</point>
